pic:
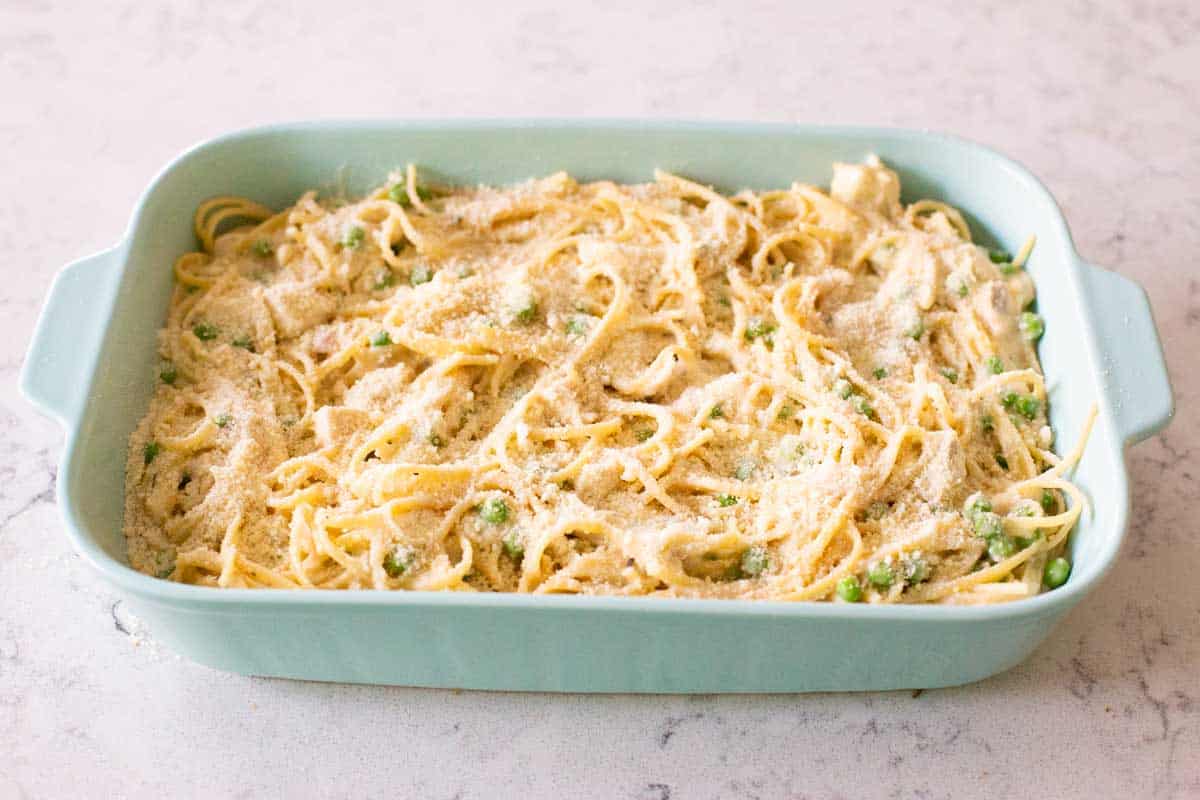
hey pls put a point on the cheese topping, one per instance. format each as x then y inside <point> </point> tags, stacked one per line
<point>604,389</point>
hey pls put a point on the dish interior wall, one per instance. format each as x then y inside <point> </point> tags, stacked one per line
<point>1002,204</point>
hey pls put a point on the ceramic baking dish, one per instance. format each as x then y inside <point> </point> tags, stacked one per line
<point>92,363</point>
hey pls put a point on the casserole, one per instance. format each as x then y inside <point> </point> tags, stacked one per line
<point>1100,347</point>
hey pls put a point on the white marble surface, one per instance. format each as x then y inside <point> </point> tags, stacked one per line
<point>1100,99</point>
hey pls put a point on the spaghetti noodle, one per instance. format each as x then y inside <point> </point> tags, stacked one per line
<point>604,389</point>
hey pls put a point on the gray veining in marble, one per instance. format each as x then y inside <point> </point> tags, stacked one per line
<point>1100,99</point>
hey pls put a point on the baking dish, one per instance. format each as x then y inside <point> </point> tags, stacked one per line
<point>92,361</point>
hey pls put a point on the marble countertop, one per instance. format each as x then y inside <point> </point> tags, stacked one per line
<point>1101,100</point>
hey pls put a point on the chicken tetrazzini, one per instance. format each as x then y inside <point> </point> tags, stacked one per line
<point>603,389</point>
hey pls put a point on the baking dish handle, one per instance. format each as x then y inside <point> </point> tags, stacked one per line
<point>1132,364</point>
<point>52,377</point>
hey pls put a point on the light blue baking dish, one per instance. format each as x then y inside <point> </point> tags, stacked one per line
<point>92,362</point>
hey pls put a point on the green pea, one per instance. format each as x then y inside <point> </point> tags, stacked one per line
<point>916,569</point>
<point>354,237</point>
<point>525,310</point>
<point>754,561</point>
<point>963,289</point>
<point>995,365</point>
<point>726,500</point>
<point>950,374</point>
<point>881,575</point>
<point>757,328</point>
<point>421,273</point>
<point>205,331</point>
<point>576,326</point>
<point>494,510</point>
<point>999,256</point>
<point>716,412</point>
<point>743,471</point>
<point>381,339</point>
<point>987,525</point>
<point>643,434</point>
<point>1057,572</point>
<point>862,405</point>
<point>1027,541</point>
<point>880,373</point>
<point>244,342</point>
<point>843,389</point>
<point>398,193</point>
<point>222,420</point>
<point>976,504</point>
<point>849,590</point>
<point>1048,501</point>
<point>168,373</point>
<point>1000,547</point>
<point>386,279</point>
<point>1032,326</point>
<point>396,563</point>
<point>513,546</point>
<point>262,248</point>
<point>1027,405</point>
<point>150,451</point>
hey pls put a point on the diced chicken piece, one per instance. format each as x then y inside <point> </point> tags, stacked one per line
<point>997,305</point>
<point>870,336</point>
<point>994,306</point>
<point>297,307</point>
<point>1021,288</point>
<point>943,467</point>
<point>869,187</point>
<point>599,479</point>
<point>324,341</point>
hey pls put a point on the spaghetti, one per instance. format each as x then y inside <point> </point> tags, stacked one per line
<point>604,389</point>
